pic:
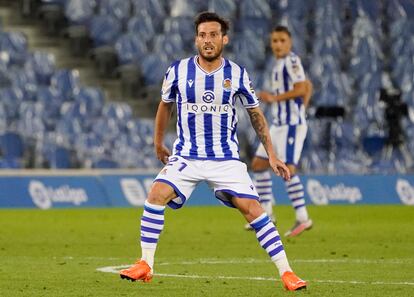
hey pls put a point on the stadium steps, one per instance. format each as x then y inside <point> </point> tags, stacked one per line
<point>11,20</point>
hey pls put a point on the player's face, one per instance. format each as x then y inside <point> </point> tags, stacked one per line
<point>281,44</point>
<point>210,41</point>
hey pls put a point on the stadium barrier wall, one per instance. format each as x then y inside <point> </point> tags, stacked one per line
<point>122,188</point>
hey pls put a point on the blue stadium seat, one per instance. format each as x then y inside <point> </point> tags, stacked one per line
<point>120,112</point>
<point>80,12</point>
<point>182,26</point>
<point>119,9</point>
<point>105,163</point>
<point>154,67</point>
<point>68,130</point>
<point>169,44</point>
<point>153,8</point>
<point>107,129</point>
<point>51,101</point>
<point>67,82</point>
<point>254,26</point>
<point>15,45</point>
<point>12,145</point>
<point>255,9</point>
<point>43,66</point>
<point>187,8</point>
<point>30,124</point>
<point>226,8</point>
<point>142,26</point>
<point>10,163</point>
<point>130,48</point>
<point>104,30</point>
<point>91,100</point>
<point>57,157</point>
<point>25,80</point>
<point>11,98</point>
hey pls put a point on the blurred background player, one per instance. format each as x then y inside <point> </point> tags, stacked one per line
<point>204,88</point>
<point>289,92</point>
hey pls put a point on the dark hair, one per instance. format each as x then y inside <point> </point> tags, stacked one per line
<point>206,16</point>
<point>282,29</point>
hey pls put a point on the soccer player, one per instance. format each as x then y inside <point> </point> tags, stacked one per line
<point>205,89</point>
<point>289,92</point>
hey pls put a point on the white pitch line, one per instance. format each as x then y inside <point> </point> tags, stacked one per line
<point>115,269</point>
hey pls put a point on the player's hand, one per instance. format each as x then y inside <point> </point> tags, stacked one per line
<point>162,153</point>
<point>266,96</point>
<point>279,168</point>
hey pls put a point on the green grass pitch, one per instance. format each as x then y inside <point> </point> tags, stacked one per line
<point>204,251</point>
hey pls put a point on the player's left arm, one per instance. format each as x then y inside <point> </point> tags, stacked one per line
<point>309,92</point>
<point>259,124</point>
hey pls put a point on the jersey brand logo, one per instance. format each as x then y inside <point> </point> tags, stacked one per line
<point>190,82</point>
<point>208,96</point>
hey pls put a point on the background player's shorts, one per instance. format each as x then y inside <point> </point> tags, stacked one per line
<point>227,178</point>
<point>287,142</point>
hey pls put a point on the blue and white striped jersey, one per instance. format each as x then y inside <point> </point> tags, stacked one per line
<point>283,74</point>
<point>206,114</point>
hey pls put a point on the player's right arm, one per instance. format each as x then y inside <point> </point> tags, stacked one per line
<point>161,123</point>
<point>165,109</point>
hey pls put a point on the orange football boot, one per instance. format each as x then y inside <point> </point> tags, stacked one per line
<point>291,282</point>
<point>139,271</point>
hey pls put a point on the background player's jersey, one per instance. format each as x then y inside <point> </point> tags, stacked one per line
<point>206,115</point>
<point>284,74</point>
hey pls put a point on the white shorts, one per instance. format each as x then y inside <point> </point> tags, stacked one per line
<point>228,178</point>
<point>287,142</point>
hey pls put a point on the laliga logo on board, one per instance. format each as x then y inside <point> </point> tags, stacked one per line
<point>44,197</point>
<point>322,194</point>
<point>405,191</point>
<point>135,192</point>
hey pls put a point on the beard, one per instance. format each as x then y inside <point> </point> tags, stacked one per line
<point>212,57</point>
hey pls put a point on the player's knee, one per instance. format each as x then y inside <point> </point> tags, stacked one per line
<point>160,194</point>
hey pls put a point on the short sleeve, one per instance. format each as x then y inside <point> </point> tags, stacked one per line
<point>169,85</point>
<point>246,92</point>
<point>295,69</point>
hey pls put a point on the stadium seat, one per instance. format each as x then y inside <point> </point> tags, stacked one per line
<point>57,157</point>
<point>15,45</point>
<point>121,113</point>
<point>30,124</point>
<point>79,12</point>
<point>182,26</point>
<point>66,82</point>
<point>187,8</point>
<point>104,30</point>
<point>12,145</point>
<point>142,26</point>
<point>105,163</point>
<point>259,9</point>
<point>153,68</point>
<point>169,44</point>
<point>11,98</point>
<point>119,9</point>
<point>226,8</point>
<point>43,66</point>
<point>51,100</point>
<point>154,9</point>
<point>130,48</point>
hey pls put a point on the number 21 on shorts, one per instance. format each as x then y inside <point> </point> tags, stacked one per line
<point>173,161</point>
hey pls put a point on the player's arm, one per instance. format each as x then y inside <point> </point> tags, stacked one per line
<point>309,91</point>
<point>299,90</point>
<point>161,123</point>
<point>259,124</point>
